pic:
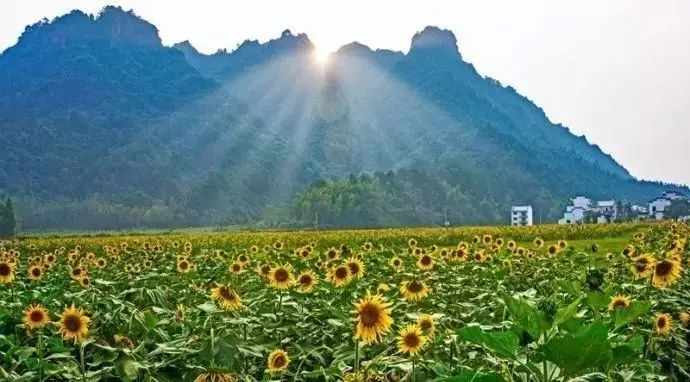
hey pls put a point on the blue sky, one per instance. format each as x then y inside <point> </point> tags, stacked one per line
<point>616,71</point>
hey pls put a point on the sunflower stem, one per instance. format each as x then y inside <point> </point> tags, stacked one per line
<point>82,366</point>
<point>39,352</point>
<point>413,367</point>
<point>356,356</point>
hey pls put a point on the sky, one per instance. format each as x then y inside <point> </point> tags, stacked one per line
<point>616,71</point>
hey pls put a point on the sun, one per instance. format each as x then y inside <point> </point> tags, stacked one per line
<point>321,56</point>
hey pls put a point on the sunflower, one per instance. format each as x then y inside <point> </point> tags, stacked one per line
<point>643,265</point>
<point>278,361</point>
<point>460,255</point>
<point>84,282</point>
<point>227,298</point>
<point>412,243</point>
<point>411,340</point>
<point>685,318</point>
<point>553,249</point>
<point>356,267</point>
<point>426,323</point>
<point>373,318</point>
<point>538,242</point>
<point>368,246</point>
<point>395,262</point>
<point>281,277</point>
<point>332,254</point>
<point>663,323</point>
<point>236,267</point>
<point>264,270</point>
<point>215,377</point>
<point>340,275</point>
<point>487,239</point>
<point>184,265</point>
<point>278,245</point>
<point>6,272</point>
<point>35,272</point>
<point>306,281</point>
<point>628,251</point>
<point>665,273</point>
<point>499,242</point>
<point>425,262</point>
<point>414,290</point>
<point>74,324</point>
<point>382,288</point>
<point>35,317</point>
<point>101,263</point>
<point>123,341</point>
<point>243,259</point>
<point>562,244</point>
<point>478,256</point>
<point>619,302</point>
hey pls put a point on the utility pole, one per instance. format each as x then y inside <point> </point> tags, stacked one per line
<point>316,221</point>
<point>445,219</point>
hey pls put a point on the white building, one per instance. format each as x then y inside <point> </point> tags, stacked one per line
<point>521,215</point>
<point>605,211</point>
<point>582,202</point>
<point>658,205</point>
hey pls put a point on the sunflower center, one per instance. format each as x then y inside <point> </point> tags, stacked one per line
<point>5,269</point>
<point>354,268</point>
<point>369,315</point>
<point>36,272</point>
<point>279,361</point>
<point>184,265</point>
<point>619,304</point>
<point>341,272</point>
<point>663,268</point>
<point>236,267</point>
<point>281,275</point>
<point>72,323</point>
<point>425,325</point>
<point>426,260</point>
<point>305,280</point>
<point>36,316</point>
<point>226,293</point>
<point>661,322</point>
<point>414,286</point>
<point>411,340</point>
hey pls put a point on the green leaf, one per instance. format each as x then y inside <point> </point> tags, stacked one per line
<point>597,301</point>
<point>524,315</point>
<point>564,314</point>
<point>587,349</point>
<point>629,351</point>
<point>475,376</point>
<point>631,313</point>
<point>503,344</point>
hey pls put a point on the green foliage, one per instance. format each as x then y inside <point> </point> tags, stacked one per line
<point>8,223</point>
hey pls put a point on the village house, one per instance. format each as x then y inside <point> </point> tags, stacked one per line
<point>521,215</point>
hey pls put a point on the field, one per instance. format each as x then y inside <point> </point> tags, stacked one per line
<point>545,303</point>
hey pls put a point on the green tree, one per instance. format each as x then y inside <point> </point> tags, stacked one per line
<point>679,208</point>
<point>8,222</point>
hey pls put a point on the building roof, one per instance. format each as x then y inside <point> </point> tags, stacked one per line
<point>606,203</point>
<point>520,208</point>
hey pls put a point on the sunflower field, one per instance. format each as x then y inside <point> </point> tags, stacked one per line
<point>543,303</point>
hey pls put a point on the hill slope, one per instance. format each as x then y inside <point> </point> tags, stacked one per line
<point>103,126</point>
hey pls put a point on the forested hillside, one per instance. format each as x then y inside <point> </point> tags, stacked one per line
<point>103,126</point>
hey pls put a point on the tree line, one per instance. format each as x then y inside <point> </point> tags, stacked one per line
<point>8,222</point>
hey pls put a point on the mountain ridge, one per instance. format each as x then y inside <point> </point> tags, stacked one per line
<point>105,122</point>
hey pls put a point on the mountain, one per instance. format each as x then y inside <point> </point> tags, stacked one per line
<point>103,126</point>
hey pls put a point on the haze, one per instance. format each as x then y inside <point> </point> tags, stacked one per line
<point>615,71</point>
